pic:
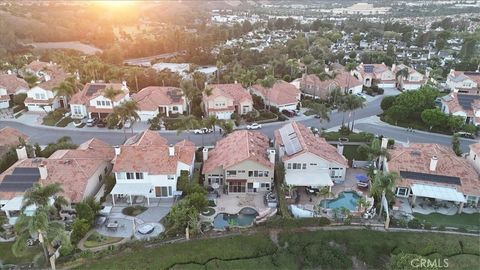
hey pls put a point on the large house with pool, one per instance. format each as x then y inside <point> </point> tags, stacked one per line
<point>243,162</point>
<point>431,175</point>
<point>147,166</point>
<point>309,160</point>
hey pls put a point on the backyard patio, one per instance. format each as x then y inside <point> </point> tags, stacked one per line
<point>233,203</point>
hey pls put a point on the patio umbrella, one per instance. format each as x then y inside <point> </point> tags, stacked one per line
<point>361,178</point>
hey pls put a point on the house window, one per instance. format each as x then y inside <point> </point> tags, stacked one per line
<point>289,165</point>
<point>313,164</point>
<point>402,191</point>
<point>297,166</point>
<point>231,173</point>
<point>260,174</point>
<point>130,175</point>
<point>100,178</point>
<point>304,166</point>
<point>171,177</point>
<point>77,110</point>
<point>139,175</point>
<point>241,171</point>
<point>265,173</point>
<point>99,103</point>
<point>174,108</point>
<point>265,185</point>
<point>107,103</point>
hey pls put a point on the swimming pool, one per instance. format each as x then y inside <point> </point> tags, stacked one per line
<point>244,218</point>
<point>347,199</point>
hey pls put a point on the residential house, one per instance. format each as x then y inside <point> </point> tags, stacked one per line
<point>282,95</point>
<point>308,159</point>
<point>154,100</point>
<point>81,173</point>
<point>10,137</point>
<point>464,82</point>
<point>226,99</point>
<point>312,86</point>
<point>433,171</point>
<point>91,101</point>
<point>375,74</point>
<point>10,85</point>
<point>474,156</point>
<point>146,165</point>
<point>242,162</point>
<point>42,97</point>
<point>413,81</point>
<point>464,105</point>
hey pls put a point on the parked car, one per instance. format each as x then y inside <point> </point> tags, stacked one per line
<point>102,123</point>
<point>254,126</point>
<point>202,131</point>
<point>92,122</point>
<point>288,113</point>
<point>466,135</point>
<point>311,190</point>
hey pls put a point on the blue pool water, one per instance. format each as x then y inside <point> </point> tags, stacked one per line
<point>345,199</point>
<point>223,220</point>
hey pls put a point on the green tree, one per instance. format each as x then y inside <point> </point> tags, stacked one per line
<point>187,123</point>
<point>352,103</point>
<point>456,145</point>
<point>374,151</point>
<point>433,117</point>
<point>190,92</point>
<point>455,123</point>
<point>382,186</point>
<point>227,127</point>
<point>127,111</point>
<point>268,82</point>
<point>387,102</point>
<point>322,111</point>
<point>40,195</point>
<point>110,93</point>
<point>65,90</point>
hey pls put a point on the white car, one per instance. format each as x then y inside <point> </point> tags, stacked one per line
<point>362,95</point>
<point>254,126</point>
<point>202,131</point>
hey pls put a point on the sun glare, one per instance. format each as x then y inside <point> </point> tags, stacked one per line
<point>115,3</point>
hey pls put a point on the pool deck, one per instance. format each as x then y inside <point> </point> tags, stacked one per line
<point>234,202</point>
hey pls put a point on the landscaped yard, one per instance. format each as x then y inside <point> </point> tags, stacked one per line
<point>65,121</point>
<point>350,152</point>
<point>134,210</point>
<point>468,221</point>
<point>297,250</point>
<point>7,257</point>
<point>96,240</point>
<point>352,137</point>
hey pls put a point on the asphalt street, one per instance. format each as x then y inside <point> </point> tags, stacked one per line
<point>45,135</point>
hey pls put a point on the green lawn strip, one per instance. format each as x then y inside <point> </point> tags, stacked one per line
<point>256,263</point>
<point>7,257</point>
<point>96,240</point>
<point>197,251</point>
<point>65,121</point>
<point>468,221</point>
<point>464,262</point>
<point>352,137</point>
<point>417,124</point>
<point>375,248</point>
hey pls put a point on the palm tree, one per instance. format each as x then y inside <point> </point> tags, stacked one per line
<point>127,111</point>
<point>382,187</point>
<point>190,92</point>
<point>65,90</point>
<point>227,126</point>
<point>135,72</point>
<point>187,123</point>
<point>110,93</point>
<point>322,111</point>
<point>363,203</point>
<point>38,226</point>
<point>268,82</point>
<point>39,195</point>
<point>31,79</point>
<point>352,103</point>
<point>293,65</point>
<point>211,122</point>
<point>219,67</point>
<point>375,150</point>
<point>402,74</point>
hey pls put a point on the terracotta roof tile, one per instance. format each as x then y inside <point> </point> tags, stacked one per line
<point>238,146</point>
<point>417,158</point>
<point>149,152</point>
<point>151,97</point>
<point>12,83</point>
<point>234,91</point>
<point>282,93</point>
<point>93,90</point>
<point>9,136</point>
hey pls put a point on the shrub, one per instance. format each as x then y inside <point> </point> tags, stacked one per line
<point>110,182</point>
<point>391,143</point>
<point>462,229</point>
<point>441,228</point>
<point>19,100</point>
<point>414,224</point>
<point>402,223</point>
<point>18,108</point>
<point>387,102</point>
<point>80,228</point>
<point>381,91</point>
<point>427,226</point>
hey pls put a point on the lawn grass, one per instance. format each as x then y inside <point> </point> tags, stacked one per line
<point>468,221</point>
<point>296,250</point>
<point>65,121</point>
<point>96,240</point>
<point>417,124</point>
<point>7,257</point>
<point>350,152</point>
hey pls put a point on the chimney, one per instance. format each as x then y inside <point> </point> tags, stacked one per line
<point>384,143</point>
<point>22,152</point>
<point>42,168</point>
<point>205,154</point>
<point>92,81</point>
<point>433,163</point>
<point>206,84</point>
<point>171,150</point>
<point>9,72</point>
<point>394,66</point>
<point>271,155</point>
<point>124,83</point>
<point>452,71</point>
<point>118,150</point>
<point>235,82</point>
<point>47,77</point>
<point>340,148</point>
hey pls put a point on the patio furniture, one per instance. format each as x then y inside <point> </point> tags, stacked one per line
<point>112,226</point>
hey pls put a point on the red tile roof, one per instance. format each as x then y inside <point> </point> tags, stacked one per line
<point>312,144</point>
<point>10,136</point>
<point>417,157</point>
<point>149,152</point>
<point>85,95</point>
<point>234,91</point>
<point>282,93</point>
<point>151,97</point>
<point>237,147</point>
<point>12,83</point>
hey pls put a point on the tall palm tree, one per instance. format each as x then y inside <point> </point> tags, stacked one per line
<point>110,93</point>
<point>190,92</point>
<point>127,111</point>
<point>268,82</point>
<point>211,121</point>
<point>382,187</point>
<point>402,74</point>
<point>375,150</point>
<point>352,103</point>
<point>322,111</point>
<point>135,72</point>
<point>39,195</point>
<point>219,67</point>
<point>65,90</point>
<point>38,226</point>
<point>187,123</point>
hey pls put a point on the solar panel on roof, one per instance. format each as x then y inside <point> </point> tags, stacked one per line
<point>466,101</point>
<point>20,187</point>
<point>22,170</point>
<point>20,180</point>
<point>431,177</point>
<point>368,68</point>
<point>93,88</point>
<point>290,140</point>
